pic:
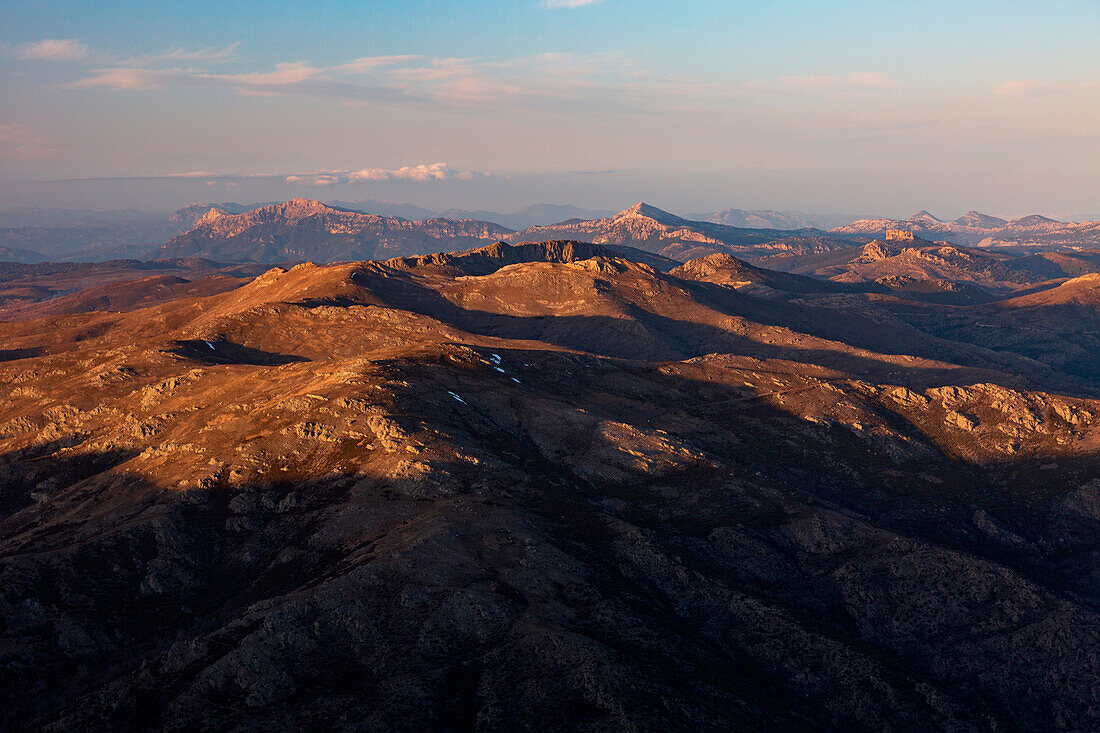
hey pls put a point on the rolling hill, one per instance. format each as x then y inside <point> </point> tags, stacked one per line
<point>539,485</point>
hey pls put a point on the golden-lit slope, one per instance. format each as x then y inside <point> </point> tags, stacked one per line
<point>491,487</point>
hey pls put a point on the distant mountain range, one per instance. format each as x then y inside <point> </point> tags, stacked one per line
<point>533,215</point>
<point>976,228</point>
<point>655,230</point>
<point>310,230</point>
<point>35,216</point>
<point>40,234</point>
<point>301,229</point>
<point>770,219</point>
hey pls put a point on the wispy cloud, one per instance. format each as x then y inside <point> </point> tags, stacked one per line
<point>131,78</point>
<point>70,49</point>
<point>19,143</point>
<point>569,3</point>
<point>416,173</point>
<point>1032,88</point>
<point>565,82</point>
<point>422,173</point>
<point>182,54</point>
<point>53,49</point>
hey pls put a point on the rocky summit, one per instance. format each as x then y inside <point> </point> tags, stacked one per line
<point>553,486</point>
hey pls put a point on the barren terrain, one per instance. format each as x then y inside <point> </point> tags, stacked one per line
<point>544,486</point>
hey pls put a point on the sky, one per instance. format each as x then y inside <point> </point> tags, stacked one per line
<point>696,105</point>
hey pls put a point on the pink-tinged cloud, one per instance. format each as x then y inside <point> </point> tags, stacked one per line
<point>132,79</point>
<point>53,49</point>
<point>594,82</point>
<point>838,82</point>
<point>19,143</point>
<point>423,173</point>
<point>69,49</point>
<point>285,73</point>
<point>370,63</point>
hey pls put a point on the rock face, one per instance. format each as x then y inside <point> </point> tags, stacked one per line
<point>538,487</point>
<point>976,228</point>
<point>651,229</point>
<point>303,229</point>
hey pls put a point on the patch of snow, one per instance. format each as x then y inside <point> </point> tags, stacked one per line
<point>516,381</point>
<point>209,344</point>
<point>499,369</point>
<point>495,358</point>
<point>452,394</point>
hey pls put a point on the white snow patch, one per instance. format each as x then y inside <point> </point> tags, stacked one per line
<point>495,358</point>
<point>209,344</point>
<point>452,394</point>
<point>516,381</point>
<point>499,369</point>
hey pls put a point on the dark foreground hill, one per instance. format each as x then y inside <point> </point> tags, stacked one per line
<point>539,488</point>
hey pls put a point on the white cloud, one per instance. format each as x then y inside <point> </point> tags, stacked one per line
<point>422,173</point>
<point>53,49</point>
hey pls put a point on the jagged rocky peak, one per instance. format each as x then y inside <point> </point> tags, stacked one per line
<point>302,207</point>
<point>213,215</point>
<point>719,261</point>
<point>650,212</point>
<point>880,250</point>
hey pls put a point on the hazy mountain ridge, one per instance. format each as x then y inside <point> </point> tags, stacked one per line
<point>771,219</point>
<point>976,228</point>
<point>532,215</point>
<point>646,227</point>
<point>70,234</point>
<point>301,229</point>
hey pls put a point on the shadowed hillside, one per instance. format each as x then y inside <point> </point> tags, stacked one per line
<point>542,486</point>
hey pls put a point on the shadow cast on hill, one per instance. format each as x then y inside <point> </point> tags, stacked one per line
<point>14,354</point>
<point>483,586</point>
<point>646,335</point>
<point>225,352</point>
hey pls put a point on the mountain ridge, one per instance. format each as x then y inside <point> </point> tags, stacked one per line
<point>305,229</point>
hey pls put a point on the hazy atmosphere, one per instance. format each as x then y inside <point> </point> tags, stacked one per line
<point>864,107</point>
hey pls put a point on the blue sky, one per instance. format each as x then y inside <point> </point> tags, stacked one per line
<point>854,106</point>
